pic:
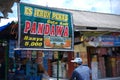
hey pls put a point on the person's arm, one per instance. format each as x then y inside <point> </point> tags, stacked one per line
<point>76,76</point>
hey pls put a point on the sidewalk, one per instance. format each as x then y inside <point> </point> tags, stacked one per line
<point>56,79</point>
<point>116,78</point>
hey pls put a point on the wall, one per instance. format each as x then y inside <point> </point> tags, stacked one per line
<point>82,51</point>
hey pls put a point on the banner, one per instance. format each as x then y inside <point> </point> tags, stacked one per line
<point>44,28</point>
<point>109,40</point>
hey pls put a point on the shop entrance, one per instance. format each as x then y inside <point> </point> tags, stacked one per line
<point>104,62</point>
<point>2,63</point>
<point>40,64</point>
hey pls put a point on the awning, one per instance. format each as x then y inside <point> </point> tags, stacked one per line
<point>4,26</point>
<point>9,31</point>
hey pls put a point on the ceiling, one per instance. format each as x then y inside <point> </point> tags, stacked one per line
<point>98,33</point>
<point>95,33</point>
<point>5,7</point>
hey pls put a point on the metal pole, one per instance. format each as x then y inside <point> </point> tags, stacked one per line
<point>58,67</point>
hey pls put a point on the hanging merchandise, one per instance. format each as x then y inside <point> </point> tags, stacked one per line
<point>94,41</point>
<point>31,68</point>
<point>12,45</point>
<point>102,51</point>
<point>63,69</point>
<point>54,69</point>
<point>102,68</point>
<point>45,60</point>
<point>34,54</point>
<point>41,68</point>
<point>65,55</point>
<point>23,54</point>
<point>118,66</point>
<point>40,57</point>
<point>14,66</point>
<point>28,54</point>
<point>110,51</point>
<point>113,66</point>
<point>17,55</point>
<point>50,55</point>
<point>94,66</point>
<point>55,55</point>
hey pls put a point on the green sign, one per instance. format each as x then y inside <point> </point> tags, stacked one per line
<point>44,28</point>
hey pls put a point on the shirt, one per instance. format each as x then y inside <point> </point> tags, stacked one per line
<point>81,73</point>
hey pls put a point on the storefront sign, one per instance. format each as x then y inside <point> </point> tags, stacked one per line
<point>110,40</point>
<point>44,28</point>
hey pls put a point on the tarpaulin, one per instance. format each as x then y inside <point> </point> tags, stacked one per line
<point>4,26</point>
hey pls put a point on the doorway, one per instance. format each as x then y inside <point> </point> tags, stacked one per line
<point>104,62</point>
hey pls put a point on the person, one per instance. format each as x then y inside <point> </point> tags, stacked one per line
<point>81,72</point>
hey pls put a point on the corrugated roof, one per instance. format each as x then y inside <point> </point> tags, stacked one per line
<point>94,19</point>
